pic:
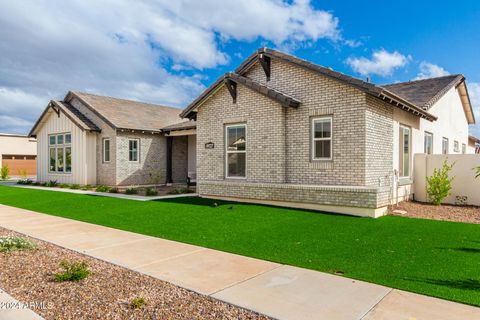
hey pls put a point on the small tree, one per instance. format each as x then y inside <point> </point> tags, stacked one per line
<point>4,171</point>
<point>439,184</point>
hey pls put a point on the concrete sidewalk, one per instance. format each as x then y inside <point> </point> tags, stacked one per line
<point>11,309</point>
<point>280,291</point>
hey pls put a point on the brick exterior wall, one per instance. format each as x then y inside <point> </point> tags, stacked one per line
<point>279,165</point>
<point>179,159</point>
<point>152,159</point>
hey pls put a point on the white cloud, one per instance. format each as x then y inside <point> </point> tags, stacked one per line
<point>382,63</point>
<point>121,48</point>
<point>430,70</point>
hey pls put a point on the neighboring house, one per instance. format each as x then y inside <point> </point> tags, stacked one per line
<point>97,140</point>
<point>285,131</point>
<point>19,153</point>
<point>473,145</point>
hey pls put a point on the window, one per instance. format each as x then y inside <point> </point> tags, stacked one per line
<point>428,143</point>
<point>133,150</point>
<point>106,150</point>
<point>322,138</point>
<point>60,152</point>
<point>445,146</point>
<point>236,151</point>
<point>464,148</point>
<point>456,146</point>
<point>405,151</point>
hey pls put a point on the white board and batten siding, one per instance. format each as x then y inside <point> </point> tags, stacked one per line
<point>83,151</point>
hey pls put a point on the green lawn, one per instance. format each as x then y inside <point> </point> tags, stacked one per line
<point>436,258</point>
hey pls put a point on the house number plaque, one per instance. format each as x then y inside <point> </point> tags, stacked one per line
<point>209,145</point>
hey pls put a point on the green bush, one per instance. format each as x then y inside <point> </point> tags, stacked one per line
<point>113,190</point>
<point>180,191</point>
<point>4,171</point>
<point>36,183</point>
<point>64,186</point>
<point>137,303</point>
<point>477,169</point>
<point>13,243</point>
<point>72,271</point>
<point>102,189</point>
<point>131,191</point>
<point>439,184</point>
<point>25,181</point>
<point>75,186</point>
<point>87,187</point>
<point>151,192</point>
<point>52,183</point>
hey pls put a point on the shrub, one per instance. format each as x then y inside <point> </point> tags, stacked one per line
<point>131,191</point>
<point>439,184</point>
<point>151,192</point>
<point>72,271</point>
<point>138,303</point>
<point>4,171</point>
<point>22,173</point>
<point>87,187</point>
<point>75,186</point>
<point>64,185</point>
<point>180,191</point>
<point>36,183</point>
<point>477,174</point>
<point>113,190</point>
<point>102,189</point>
<point>25,181</point>
<point>13,243</point>
<point>52,183</point>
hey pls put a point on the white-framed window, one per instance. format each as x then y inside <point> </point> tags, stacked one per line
<point>133,148</point>
<point>428,143</point>
<point>322,138</point>
<point>106,149</point>
<point>236,151</point>
<point>456,146</point>
<point>60,153</point>
<point>444,145</point>
<point>464,148</point>
<point>405,151</point>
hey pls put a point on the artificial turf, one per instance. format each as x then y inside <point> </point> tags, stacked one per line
<point>436,258</point>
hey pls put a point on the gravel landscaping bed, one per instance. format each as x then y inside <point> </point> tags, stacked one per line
<point>414,209</point>
<point>106,294</point>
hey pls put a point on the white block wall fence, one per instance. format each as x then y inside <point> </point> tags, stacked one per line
<point>465,188</point>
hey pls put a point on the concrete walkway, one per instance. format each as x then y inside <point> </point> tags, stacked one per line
<point>11,309</point>
<point>280,291</point>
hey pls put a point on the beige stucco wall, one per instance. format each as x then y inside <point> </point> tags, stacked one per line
<point>21,145</point>
<point>464,184</point>
<point>451,124</point>
<point>83,151</point>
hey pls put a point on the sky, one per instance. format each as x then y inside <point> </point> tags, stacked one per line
<point>167,52</point>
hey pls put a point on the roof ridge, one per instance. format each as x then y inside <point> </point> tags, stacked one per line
<point>121,99</point>
<point>421,80</point>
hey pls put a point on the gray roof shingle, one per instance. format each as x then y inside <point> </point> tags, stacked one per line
<point>128,114</point>
<point>424,93</point>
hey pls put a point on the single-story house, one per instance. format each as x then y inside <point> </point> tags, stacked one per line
<point>97,140</point>
<point>282,130</point>
<point>19,154</point>
<point>474,144</point>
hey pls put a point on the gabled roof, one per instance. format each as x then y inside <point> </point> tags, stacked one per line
<point>424,93</point>
<point>474,139</point>
<point>70,112</point>
<point>127,114</point>
<point>366,87</point>
<point>282,98</point>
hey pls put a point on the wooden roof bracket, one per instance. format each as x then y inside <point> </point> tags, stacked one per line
<point>232,88</point>
<point>265,62</point>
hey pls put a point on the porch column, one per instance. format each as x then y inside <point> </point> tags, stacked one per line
<point>169,159</point>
